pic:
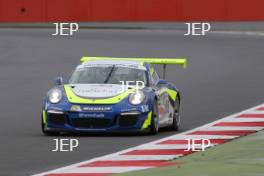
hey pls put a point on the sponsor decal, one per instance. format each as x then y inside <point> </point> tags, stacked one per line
<point>97,108</point>
<point>126,65</point>
<point>94,115</point>
<point>95,90</point>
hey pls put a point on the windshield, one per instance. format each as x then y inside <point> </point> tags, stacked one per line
<point>107,75</point>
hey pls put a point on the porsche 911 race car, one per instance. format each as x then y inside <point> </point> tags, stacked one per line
<point>113,95</point>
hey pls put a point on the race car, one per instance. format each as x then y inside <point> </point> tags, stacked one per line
<point>107,94</point>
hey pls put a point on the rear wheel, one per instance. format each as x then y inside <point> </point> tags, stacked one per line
<point>44,130</point>
<point>154,128</point>
<point>176,116</point>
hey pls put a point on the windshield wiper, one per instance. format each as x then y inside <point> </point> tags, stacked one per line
<point>110,73</point>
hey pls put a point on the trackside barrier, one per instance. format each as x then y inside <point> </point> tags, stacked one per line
<point>130,10</point>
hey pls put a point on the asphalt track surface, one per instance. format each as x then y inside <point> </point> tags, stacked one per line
<point>225,75</point>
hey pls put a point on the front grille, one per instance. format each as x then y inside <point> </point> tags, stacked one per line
<point>57,119</point>
<point>91,123</point>
<point>127,120</point>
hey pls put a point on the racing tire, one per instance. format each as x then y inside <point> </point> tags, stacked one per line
<point>45,132</point>
<point>154,127</point>
<point>176,116</point>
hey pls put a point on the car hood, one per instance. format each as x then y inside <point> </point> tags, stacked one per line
<point>96,90</point>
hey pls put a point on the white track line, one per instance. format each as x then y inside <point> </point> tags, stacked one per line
<point>232,128</point>
<point>142,157</point>
<point>170,146</point>
<point>199,137</point>
<point>117,156</point>
<point>256,112</point>
<point>244,120</point>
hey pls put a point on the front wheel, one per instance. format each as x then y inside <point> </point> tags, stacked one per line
<point>154,128</point>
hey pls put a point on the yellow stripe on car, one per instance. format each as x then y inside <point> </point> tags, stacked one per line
<point>44,117</point>
<point>147,122</point>
<point>170,92</point>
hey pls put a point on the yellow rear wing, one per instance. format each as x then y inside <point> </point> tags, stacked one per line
<point>178,61</point>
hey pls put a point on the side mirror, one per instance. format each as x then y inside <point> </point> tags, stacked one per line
<point>58,81</point>
<point>162,81</point>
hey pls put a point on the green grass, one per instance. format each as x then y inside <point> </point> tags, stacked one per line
<point>240,157</point>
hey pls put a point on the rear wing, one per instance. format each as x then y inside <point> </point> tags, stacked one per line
<point>177,61</point>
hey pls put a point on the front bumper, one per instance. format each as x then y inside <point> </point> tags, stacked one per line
<point>86,121</point>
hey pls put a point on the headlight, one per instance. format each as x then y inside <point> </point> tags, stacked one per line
<point>55,95</point>
<point>136,98</point>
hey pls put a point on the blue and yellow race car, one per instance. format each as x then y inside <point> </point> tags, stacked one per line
<point>113,95</point>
